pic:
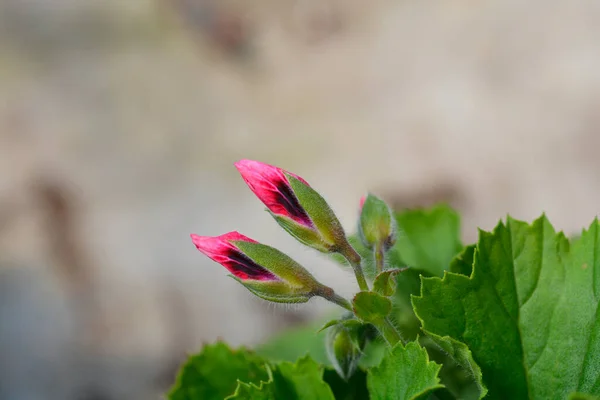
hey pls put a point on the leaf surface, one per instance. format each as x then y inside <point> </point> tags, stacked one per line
<point>302,380</point>
<point>353,389</point>
<point>528,312</point>
<point>428,239</point>
<point>371,307</point>
<point>213,374</point>
<point>405,373</point>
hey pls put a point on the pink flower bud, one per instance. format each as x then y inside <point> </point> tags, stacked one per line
<point>272,187</point>
<point>263,270</point>
<point>223,250</point>
<point>296,206</point>
<point>361,203</point>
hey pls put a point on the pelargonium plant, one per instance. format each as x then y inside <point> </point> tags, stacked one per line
<point>513,316</point>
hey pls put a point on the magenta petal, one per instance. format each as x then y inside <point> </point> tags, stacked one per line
<point>271,186</point>
<point>361,203</point>
<point>269,172</point>
<point>222,250</point>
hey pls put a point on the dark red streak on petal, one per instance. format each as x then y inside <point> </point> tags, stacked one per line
<point>244,268</point>
<point>271,186</point>
<point>286,198</point>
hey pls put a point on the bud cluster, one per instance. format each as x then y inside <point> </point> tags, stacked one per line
<point>272,275</point>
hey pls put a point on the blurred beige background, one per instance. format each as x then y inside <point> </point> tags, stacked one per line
<point>120,122</point>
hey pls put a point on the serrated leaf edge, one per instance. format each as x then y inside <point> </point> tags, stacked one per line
<point>438,367</point>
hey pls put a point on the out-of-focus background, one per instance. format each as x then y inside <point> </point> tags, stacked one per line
<point>120,122</point>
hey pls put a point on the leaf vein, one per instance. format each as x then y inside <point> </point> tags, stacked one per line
<point>589,338</point>
<point>514,276</point>
<point>587,349</point>
<point>537,278</point>
<point>548,326</point>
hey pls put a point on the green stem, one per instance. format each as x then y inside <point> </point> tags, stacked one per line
<point>340,301</point>
<point>328,294</point>
<point>379,257</point>
<point>355,260</point>
<point>389,332</point>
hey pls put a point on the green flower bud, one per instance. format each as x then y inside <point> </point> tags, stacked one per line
<point>377,225</point>
<point>345,343</point>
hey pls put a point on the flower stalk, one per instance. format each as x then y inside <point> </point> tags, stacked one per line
<point>389,332</point>
<point>355,261</point>
<point>330,295</point>
<point>379,255</point>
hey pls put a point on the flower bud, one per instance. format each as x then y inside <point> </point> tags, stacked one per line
<point>264,270</point>
<point>297,207</point>
<point>377,225</point>
<point>344,345</point>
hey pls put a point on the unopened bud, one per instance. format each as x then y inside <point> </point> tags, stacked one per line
<point>345,343</point>
<point>264,270</point>
<point>295,205</point>
<point>377,225</point>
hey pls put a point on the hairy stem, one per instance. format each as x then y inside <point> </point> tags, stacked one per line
<point>379,257</point>
<point>355,260</point>
<point>340,301</point>
<point>328,294</point>
<point>389,332</point>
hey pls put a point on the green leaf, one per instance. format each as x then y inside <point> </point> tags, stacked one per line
<point>300,381</point>
<point>353,389</point>
<point>463,263</point>
<point>385,282</point>
<point>582,396</point>
<point>294,343</point>
<point>213,374</point>
<point>374,352</point>
<point>252,392</point>
<point>460,373</point>
<point>428,239</point>
<point>405,373</point>
<point>407,284</point>
<point>528,312</point>
<point>371,307</point>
